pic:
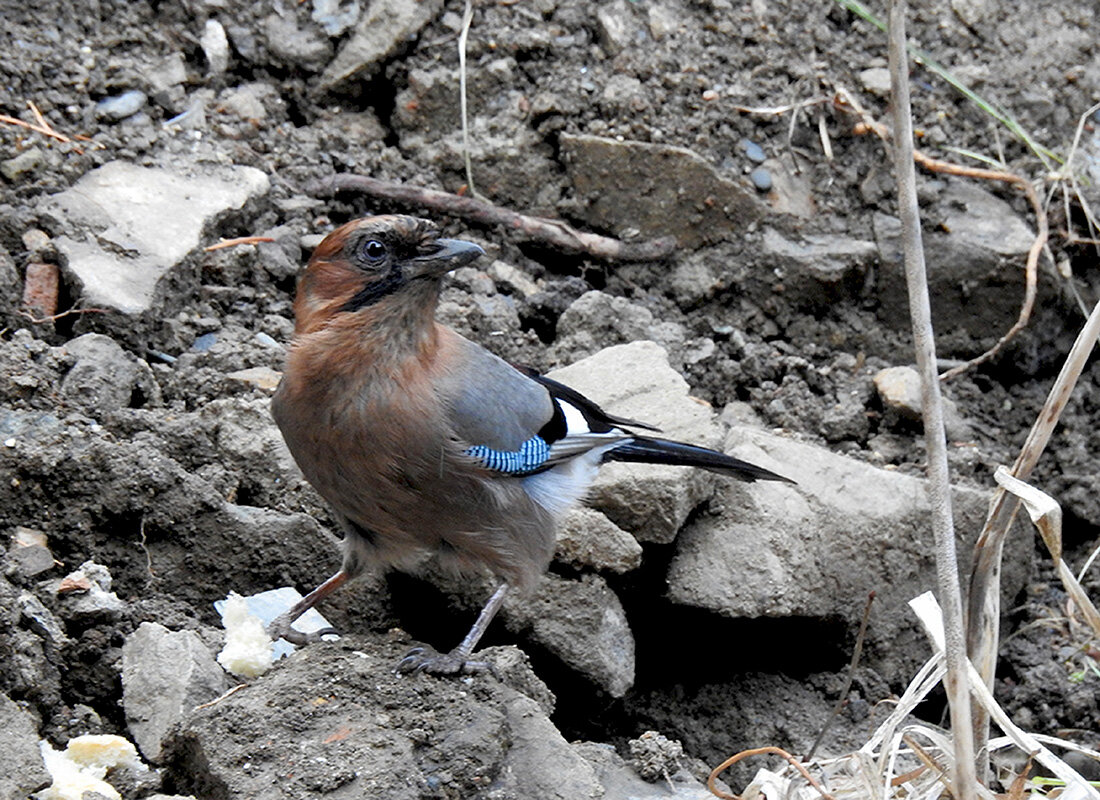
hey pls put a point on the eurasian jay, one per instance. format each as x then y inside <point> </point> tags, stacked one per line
<point>425,443</point>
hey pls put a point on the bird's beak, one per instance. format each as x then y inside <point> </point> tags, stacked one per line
<point>449,254</point>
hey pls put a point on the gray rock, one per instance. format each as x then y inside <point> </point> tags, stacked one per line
<point>165,674</point>
<point>899,388</point>
<point>384,28</point>
<point>105,377</point>
<point>596,319</point>
<point>84,595</point>
<point>586,538</point>
<point>583,623</point>
<point>618,27</point>
<point>42,621</point>
<point>876,80</point>
<point>513,280</point>
<point>620,782</point>
<point>167,73</point>
<point>654,755</point>
<point>635,381</point>
<point>692,281</point>
<point>753,152</point>
<point>249,102</point>
<point>562,773</point>
<point>335,720</point>
<point>655,190</point>
<point>21,767</point>
<point>121,106</point>
<point>817,549</point>
<point>127,227</point>
<point>761,178</point>
<point>215,46</point>
<point>29,556</point>
<point>335,16</point>
<point>818,265</point>
<point>975,256</point>
<point>24,164</point>
<point>295,46</point>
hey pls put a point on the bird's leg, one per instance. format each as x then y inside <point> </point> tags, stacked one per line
<point>280,627</point>
<point>420,659</point>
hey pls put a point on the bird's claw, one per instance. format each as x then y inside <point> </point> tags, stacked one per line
<point>421,659</point>
<point>280,628</point>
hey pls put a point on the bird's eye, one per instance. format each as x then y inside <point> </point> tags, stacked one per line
<point>374,251</point>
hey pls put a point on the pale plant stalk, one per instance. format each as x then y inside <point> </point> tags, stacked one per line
<point>984,612</point>
<point>467,18</point>
<point>939,487</point>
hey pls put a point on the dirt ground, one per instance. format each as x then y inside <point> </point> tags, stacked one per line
<point>788,307</point>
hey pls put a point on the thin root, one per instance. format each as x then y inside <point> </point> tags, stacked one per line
<point>54,317</point>
<point>778,751</point>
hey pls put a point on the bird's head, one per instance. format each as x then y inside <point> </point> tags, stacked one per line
<point>385,266</point>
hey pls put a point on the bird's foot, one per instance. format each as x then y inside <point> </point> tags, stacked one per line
<point>280,628</point>
<point>421,659</point>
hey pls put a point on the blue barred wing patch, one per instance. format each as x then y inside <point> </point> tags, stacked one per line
<point>531,455</point>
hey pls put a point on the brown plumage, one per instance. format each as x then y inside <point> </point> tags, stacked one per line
<point>424,443</point>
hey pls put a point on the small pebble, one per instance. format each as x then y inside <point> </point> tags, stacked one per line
<point>121,106</point>
<point>761,179</point>
<point>215,46</point>
<point>204,342</point>
<point>710,95</point>
<point>753,151</point>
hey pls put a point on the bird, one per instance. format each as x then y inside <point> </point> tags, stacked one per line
<point>424,443</point>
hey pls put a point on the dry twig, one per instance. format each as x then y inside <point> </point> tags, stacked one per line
<point>224,243</point>
<point>548,231</point>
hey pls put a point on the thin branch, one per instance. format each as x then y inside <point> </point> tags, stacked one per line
<point>540,229</point>
<point>939,486</point>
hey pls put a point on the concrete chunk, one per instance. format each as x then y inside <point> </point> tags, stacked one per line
<point>635,381</point>
<point>165,674</point>
<point>128,226</point>
<point>384,27</point>
<point>583,623</point>
<point>21,767</point>
<point>655,190</point>
<point>816,549</point>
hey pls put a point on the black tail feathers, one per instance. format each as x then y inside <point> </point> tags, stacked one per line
<point>643,449</point>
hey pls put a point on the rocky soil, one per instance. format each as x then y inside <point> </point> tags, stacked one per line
<point>684,618</point>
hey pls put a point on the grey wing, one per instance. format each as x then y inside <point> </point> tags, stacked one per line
<point>514,424</point>
<point>489,401</point>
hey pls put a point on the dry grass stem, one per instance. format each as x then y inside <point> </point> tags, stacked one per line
<point>939,485</point>
<point>984,599</point>
<point>1046,515</point>
<point>467,18</point>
